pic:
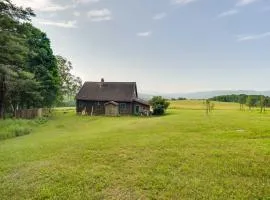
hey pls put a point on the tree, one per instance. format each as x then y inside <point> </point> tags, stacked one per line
<point>12,49</point>
<point>23,92</point>
<point>6,72</point>
<point>70,84</point>
<point>242,101</point>
<point>262,103</point>
<point>267,102</point>
<point>212,107</point>
<point>28,70</point>
<point>251,101</point>
<point>181,98</point>
<point>13,41</point>
<point>10,10</point>
<point>159,105</point>
<point>76,86</point>
<point>207,106</point>
<point>42,63</point>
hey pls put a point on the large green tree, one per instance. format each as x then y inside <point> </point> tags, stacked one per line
<point>28,70</point>
<point>42,63</point>
<point>12,48</point>
<point>70,84</point>
<point>22,91</point>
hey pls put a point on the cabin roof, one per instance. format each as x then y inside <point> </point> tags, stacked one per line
<point>141,101</point>
<point>108,91</point>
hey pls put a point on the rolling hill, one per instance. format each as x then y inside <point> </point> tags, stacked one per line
<point>206,94</point>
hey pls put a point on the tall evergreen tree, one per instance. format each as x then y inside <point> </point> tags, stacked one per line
<point>28,70</point>
<point>42,63</point>
<point>12,48</point>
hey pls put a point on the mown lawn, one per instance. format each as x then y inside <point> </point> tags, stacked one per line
<point>183,155</point>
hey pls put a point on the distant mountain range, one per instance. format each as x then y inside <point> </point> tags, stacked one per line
<point>206,94</point>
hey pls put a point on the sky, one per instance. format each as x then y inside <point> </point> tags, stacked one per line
<point>166,46</point>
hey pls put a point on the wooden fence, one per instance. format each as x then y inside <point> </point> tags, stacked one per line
<point>32,113</point>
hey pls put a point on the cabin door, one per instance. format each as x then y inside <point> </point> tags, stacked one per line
<point>137,109</point>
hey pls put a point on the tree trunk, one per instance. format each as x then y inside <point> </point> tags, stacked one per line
<point>1,108</point>
<point>13,108</point>
<point>2,95</point>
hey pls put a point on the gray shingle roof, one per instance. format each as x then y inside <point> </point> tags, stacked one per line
<point>108,91</point>
<point>141,101</point>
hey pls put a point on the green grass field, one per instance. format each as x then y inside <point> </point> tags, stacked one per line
<point>183,155</point>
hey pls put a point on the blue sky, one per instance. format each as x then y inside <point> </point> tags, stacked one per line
<point>165,46</point>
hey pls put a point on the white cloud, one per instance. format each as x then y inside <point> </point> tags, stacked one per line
<point>99,15</point>
<point>241,38</point>
<point>76,13</point>
<point>144,34</point>
<point>245,2</point>
<point>41,5</point>
<point>160,16</point>
<point>86,1</point>
<point>54,7</point>
<point>182,2</point>
<point>228,13</point>
<point>51,15</point>
<point>62,24</point>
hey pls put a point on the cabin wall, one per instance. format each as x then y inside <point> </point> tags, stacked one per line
<point>125,108</point>
<point>111,110</point>
<point>87,106</point>
<point>139,108</point>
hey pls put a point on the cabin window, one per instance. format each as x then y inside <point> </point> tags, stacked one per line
<point>82,104</point>
<point>98,106</point>
<point>137,109</point>
<point>123,106</point>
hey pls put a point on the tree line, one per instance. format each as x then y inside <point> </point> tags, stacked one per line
<point>179,99</point>
<point>243,99</point>
<point>30,74</point>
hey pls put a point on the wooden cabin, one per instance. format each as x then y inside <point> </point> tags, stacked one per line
<point>110,98</point>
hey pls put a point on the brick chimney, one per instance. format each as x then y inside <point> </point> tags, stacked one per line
<point>102,82</point>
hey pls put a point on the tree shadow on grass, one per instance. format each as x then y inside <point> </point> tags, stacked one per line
<point>164,115</point>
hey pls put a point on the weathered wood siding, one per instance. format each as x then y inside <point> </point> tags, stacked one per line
<point>111,110</point>
<point>99,107</point>
<point>125,108</point>
<point>32,113</point>
<point>142,108</point>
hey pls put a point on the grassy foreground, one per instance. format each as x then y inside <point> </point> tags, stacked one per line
<point>183,155</point>
<point>15,128</point>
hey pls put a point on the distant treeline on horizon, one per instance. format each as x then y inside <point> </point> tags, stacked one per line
<point>249,100</point>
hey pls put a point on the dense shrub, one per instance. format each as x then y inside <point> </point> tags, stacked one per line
<point>14,131</point>
<point>158,110</point>
<point>159,105</point>
<point>20,131</point>
<point>11,128</point>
